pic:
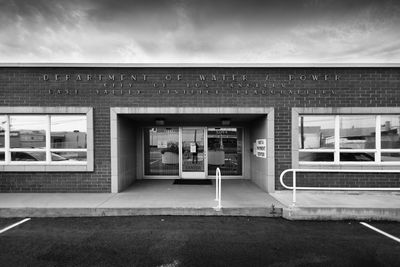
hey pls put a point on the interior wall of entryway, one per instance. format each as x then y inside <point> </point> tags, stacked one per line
<point>262,169</point>
<point>128,146</point>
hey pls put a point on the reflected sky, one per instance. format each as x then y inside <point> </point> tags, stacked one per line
<point>59,123</point>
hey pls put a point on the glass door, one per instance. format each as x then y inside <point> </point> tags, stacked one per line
<point>193,156</point>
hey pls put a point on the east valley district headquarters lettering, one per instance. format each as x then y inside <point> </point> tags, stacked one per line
<point>172,84</point>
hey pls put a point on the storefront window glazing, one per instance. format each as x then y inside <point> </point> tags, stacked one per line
<point>32,138</point>
<point>3,122</point>
<point>225,150</point>
<point>349,138</point>
<point>161,151</point>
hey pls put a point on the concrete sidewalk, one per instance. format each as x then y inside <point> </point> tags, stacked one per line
<point>340,205</point>
<point>239,198</point>
<point>146,197</point>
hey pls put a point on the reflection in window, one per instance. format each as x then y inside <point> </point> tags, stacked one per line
<point>225,150</point>
<point>68,132</point>
<point>390,130</point>
<point>361,156</point>
<point>316,132</point>
<point>28,156</point>
<point>28,131</point>
<point>357,140</point>
<point>388,157</point>
<point>3,121</point>
<point>29,137</point>
<point>316,156</point>
<point>357,132</point>
<point>69,156</point>
<point>161,151</point>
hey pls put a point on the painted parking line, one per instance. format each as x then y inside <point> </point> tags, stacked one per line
<point>380,231</point>
<point>15,224</point>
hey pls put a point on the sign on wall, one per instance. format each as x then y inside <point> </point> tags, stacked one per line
<point>193,148</point>
<point>261,148</point>
<point>162,144</point>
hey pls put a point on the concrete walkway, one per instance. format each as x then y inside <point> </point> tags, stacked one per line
<point>340,205</point>
<point>146,197</point>
<point>239,198</point>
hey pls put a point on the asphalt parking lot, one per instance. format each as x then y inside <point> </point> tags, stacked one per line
<point>196,241</point>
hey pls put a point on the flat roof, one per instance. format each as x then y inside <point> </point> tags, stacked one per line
<point>206,65</point>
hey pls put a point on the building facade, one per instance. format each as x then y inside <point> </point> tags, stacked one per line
<point>98,128</point>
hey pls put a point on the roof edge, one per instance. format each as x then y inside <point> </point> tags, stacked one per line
<point>206,65</point>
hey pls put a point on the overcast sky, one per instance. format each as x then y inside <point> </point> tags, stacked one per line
<point>200,31</point>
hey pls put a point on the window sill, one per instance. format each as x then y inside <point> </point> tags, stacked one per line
<point>42,167</point>
<point>351,166</point>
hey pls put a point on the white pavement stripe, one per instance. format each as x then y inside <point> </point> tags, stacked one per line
<point>380,231</point>
<point>15,224</point>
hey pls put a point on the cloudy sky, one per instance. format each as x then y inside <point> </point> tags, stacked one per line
<point>200,31</point>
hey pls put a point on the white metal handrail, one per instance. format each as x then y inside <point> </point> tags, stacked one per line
<point>294,187</point>
<point>218,189</point>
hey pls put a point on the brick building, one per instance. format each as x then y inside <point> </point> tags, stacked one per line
<point>98,128</point>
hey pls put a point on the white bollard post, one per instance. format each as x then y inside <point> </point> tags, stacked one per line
<point>218,189</point>
<point>294,188</point>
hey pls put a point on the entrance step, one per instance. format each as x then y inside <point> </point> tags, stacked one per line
<point>340,205</point>
<point>94,212</point>
<point>341,213</point>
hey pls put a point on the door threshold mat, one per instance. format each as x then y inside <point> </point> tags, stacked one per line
<point>193,181</point>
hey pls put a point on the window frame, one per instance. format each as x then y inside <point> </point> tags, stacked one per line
<point>48,165</point>
<point>336,163</point>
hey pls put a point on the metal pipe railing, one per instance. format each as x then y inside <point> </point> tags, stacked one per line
<point>294,186</point>
<point>218,189</point>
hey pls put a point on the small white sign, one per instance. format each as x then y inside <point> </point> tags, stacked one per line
<point>193,148</point>
<point>162,144</point>
<point>261,148</point>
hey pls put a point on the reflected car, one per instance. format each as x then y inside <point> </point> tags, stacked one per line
<point>356,157</point>
<point>35,156</point>
<point>344,156</point>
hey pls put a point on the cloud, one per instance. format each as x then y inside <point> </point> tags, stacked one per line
<point>199,31</point>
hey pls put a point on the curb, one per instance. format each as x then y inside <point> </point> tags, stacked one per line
<point>99,212</point>
<point>335,213</point>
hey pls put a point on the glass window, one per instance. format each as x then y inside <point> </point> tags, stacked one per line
<point>357,132</point>
<point>29,134</point>
<point>28,156</point>
<point>68,156</point>
<point>225,150</point>
<point>316,156</point>
<point>28,131</point>
<point>390,126</point>
<point>31,140</point>
<point>3,121</point>
<point>161,151</point>
<point>356,141</point>
<point>359,156</point>
<point>68,131</point>
<point>388,157</point>
<point>316,132</point>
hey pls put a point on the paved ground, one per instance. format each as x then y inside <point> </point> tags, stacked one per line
<point>148,197</point>
<point>195,241</point>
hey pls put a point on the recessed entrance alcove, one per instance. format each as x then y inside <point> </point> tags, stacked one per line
<point>190,143</point>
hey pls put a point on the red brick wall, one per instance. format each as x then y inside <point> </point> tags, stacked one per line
<point>356,87</point>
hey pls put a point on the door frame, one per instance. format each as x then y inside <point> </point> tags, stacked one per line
<point>193,175</point>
